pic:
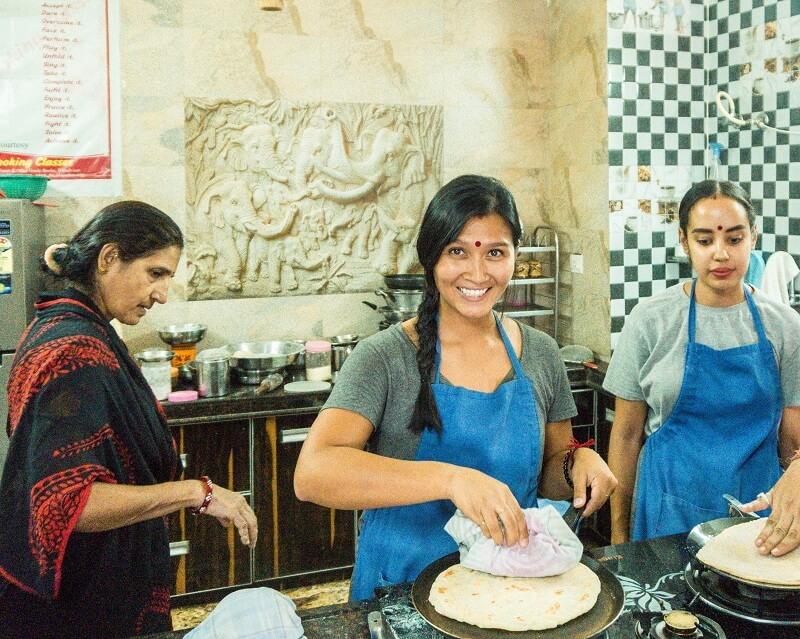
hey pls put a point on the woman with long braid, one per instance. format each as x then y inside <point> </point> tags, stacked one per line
<point>456,408</point>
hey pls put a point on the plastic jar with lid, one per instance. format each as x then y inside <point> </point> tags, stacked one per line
<point>156,368</point>
<point>318,361</point>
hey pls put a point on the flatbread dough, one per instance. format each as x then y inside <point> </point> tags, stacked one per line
<point>733,551</point>
<point>514,603</point>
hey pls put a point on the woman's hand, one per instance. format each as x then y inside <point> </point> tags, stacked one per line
<point>781,533</point>
<point>230,507</point>
<point>590,471</point>
<point>490,504</point>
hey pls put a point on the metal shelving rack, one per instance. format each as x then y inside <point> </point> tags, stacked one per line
<point>543,240</point>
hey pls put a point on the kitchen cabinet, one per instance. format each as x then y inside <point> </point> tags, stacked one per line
<point>206,555</point>
<point>312,540</point>
<point>534,295</point>
<point>255,455</point>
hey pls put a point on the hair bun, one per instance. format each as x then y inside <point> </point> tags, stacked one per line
<point>49,258</point>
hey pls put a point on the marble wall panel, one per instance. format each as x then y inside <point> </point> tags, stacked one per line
<point>494,77</point>
<point>578,69</point>
<point>578,134</point>
<point>578,197</point>
<point>359,70</point>
<point>151,130</point>
<point>490,139</point>
<point>153,44</point>
<point>531,190</point>
<point>491,23</point>
<point>297,199</point>
<point>412,21</point>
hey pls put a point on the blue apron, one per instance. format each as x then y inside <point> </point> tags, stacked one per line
<point>496,433</point>
<point>721,436</point>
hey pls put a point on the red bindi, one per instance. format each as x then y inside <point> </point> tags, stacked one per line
<point>478,243</point>
<point>719,228</point>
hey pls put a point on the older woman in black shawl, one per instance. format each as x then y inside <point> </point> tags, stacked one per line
<point>91,465</point>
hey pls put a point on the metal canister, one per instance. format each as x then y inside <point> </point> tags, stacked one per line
<point>213,372</point>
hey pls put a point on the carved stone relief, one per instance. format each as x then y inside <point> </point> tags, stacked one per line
<point>297,199</point>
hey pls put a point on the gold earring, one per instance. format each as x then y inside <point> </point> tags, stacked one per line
<point>102,270</point>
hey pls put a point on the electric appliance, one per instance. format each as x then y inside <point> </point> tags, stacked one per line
<point>22,242</point>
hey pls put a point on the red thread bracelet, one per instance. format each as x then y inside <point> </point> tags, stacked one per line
<point>574,445</point>
<point>207,499</point>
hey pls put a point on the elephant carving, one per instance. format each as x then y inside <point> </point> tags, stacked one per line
<point>227,204</point>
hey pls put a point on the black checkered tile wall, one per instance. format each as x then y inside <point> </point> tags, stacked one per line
<point>664,75</point>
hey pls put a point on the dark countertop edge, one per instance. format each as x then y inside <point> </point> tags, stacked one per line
<point>243,401</point>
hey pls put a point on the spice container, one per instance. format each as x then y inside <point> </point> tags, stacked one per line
<point>213,372</point>
<point>318,361</point>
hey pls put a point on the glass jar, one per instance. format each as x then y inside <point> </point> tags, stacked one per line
<point>318,361</point>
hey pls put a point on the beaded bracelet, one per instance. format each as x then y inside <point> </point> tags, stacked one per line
<point>207,499</point>
<point>574,445</point>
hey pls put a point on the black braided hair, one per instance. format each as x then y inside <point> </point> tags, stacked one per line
<point>458,201</point>
<point>138,230</point>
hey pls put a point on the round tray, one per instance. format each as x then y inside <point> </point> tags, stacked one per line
<point>601,616</point>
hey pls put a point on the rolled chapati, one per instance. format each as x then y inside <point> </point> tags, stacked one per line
<point>514,603</point>
<point>733,551</point>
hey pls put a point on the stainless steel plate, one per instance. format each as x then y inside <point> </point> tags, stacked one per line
<point>601,616</point>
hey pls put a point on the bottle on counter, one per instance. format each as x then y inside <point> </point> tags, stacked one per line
<point>318,361</point>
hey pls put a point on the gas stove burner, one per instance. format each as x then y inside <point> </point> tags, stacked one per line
<point>677,624</point>
<point>759,605</point>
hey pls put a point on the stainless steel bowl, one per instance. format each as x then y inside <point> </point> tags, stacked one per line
<point>182,333</point>
<point>154,355</point>
<point>253,361</point>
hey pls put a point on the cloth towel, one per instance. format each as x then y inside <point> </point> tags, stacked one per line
<point>755,271</point>
<point>552,547</point>
<point>780,271</point>
<point>251,613</point>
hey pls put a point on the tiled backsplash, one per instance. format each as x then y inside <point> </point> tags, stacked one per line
<point>662,115</point>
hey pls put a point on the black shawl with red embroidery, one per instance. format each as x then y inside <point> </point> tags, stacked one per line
<point>80,411</point>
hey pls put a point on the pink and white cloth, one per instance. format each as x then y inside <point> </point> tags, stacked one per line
<point>552,546</point>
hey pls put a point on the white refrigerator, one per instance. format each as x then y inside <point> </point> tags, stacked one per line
<point>22,241</point>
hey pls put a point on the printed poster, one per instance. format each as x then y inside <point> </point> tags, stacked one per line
<point>60,95</point>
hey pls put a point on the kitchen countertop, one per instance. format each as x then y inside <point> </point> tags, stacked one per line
<point>651,573</point>
<point>245,400</point>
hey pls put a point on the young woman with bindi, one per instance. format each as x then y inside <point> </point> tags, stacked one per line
<point>708,391</point>
<point>456,408</point>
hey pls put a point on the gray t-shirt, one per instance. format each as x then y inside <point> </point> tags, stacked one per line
<point>380,381</point>
<point>648,362</point>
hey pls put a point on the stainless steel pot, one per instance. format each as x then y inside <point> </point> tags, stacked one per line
<point>341,347</point>
<point>404,281</point>
<point>402,300</point>
<point>391,315</point>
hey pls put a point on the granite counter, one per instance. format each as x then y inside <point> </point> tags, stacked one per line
<point>652,577</point>
<point>247,400</point>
